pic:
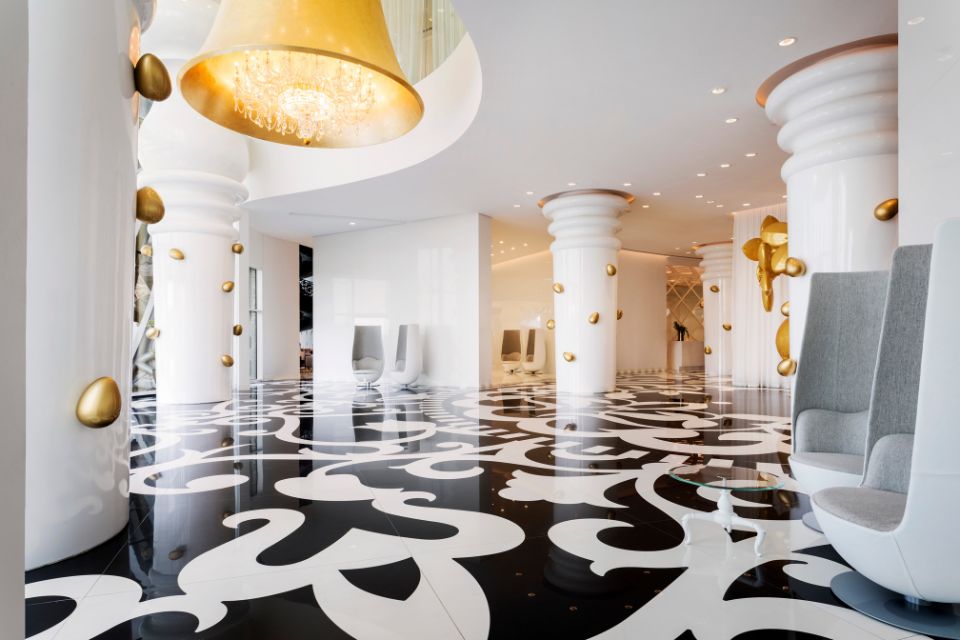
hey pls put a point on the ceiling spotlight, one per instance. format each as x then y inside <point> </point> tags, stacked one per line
<point>786,42</point>
<point>698,196</point>
<point>513,248</point>
<point>784,196</point>
<point>516,206</point>
<point>725,165</point>
<point>745,204</point>
<point>646,206</point>
<point>719,206</point>
<point>701,175</point>
<point>718,91</point>
<point>524,244</point>
<point>710,201</point>
<point>529,193</point>
<point>656,193</point>
<point>501,251</point>
<point>915,21</point>
<point>501,242</point>
<point>731,120</point>
<point>750,155</point>
<point>491,255</point>
<point>676,248</point>
<point>352,223</point>
<point>571,184</point>
<point>628,184</point>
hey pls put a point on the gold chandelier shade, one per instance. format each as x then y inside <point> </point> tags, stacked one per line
<point>343,44</point>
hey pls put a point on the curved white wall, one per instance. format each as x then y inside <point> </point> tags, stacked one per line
<point>81,186</point>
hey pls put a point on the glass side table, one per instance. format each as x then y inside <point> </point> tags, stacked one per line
<point>726,480</point>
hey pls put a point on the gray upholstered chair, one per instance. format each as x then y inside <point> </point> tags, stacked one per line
<point>897,529</point>
<point>834,378</point>
<point>367,354</point>
<point>510,350</point>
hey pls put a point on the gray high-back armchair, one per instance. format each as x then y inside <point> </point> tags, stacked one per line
<point>367,354</point>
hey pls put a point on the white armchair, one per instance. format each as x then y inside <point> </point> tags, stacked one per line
<point>510,350</point>
<point>367,354</point>
<point>535,354</point>
<point>409,358</point>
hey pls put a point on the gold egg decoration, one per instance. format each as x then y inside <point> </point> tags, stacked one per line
<point>569,357</point>
<point>714,288</point>
<point>176,254</point>
<point>707,350</point>
<point>594,318</point>
<point>226,442</point>
<point>783,339</point>
<point>100,403</point>
<point>551,324</point>
<point>727,326</point>
<point>150,78</point>
<point>611,270</point>
<point>237,248</point>
<point>227,286</point>
<point>557,287</point>
<point>150,208</point>
<point>795,267</point>
<point>787,367</point>
<point>887,210</point>
<point>153,333</point>
<point>619,313</point>
<point>176,554</point>
<point>700,304</point>
<point>237,329</point>
<point>146,250</point>
<point>785,309</point>
<point>771,253</point>
<point>226,360</point>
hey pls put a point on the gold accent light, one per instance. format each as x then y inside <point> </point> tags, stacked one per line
<point>100,403</point>
<point>149,206</point>
<point>302,72</point>
<point>569,357</point>
<point>558,287</point>
<point>887,210</point>
<point>227,286</point>
<point>594,318</point>
<point>551,324</point>
<point>237,329</point>
<point>611,270</point>
<point>237,248</point>
<point>176,254</point>
<point>150,78</point>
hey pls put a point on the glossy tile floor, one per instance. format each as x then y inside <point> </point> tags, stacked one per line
<point>293,512</point>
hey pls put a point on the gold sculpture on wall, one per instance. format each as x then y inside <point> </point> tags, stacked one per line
<point>771,252</point>
<point>100,403</point>
<point>887,210</point>
<point>611,270</point>
<point>594,318</point>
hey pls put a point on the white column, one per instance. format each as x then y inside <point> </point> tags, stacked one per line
<point>839,120</point>
<point>584,224</point>
<point>197,168</point>
<point>81,185</point>
<point>717,278</point>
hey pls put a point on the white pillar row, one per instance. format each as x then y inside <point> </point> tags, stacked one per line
<point>197,168</point>
<point>584,224</point>
<point>81,183</point>
<point>839,120</point>
<point>717,279</point>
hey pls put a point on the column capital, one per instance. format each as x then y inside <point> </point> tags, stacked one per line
<point>585,218</point>
<point>717,259</point>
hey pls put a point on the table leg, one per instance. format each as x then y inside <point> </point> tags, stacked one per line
<point>749,524</point>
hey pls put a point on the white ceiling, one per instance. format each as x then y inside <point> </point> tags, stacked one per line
<point>601,93</point>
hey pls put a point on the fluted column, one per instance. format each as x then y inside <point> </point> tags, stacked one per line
<point>717,278</point>
<point>197,168</point>
<point>839,120</point>
<point>584,224</point>
<point>81,167</point>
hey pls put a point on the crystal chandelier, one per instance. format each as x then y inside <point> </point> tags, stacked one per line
<point>302,72</point>
<point>302,94</point>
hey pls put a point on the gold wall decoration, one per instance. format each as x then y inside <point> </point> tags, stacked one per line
<point>714,288</point>
<point>569,357</point>
<point>237,248</point>
<point>727,326</point>
<point>177,553</point>
<point>176,254</point>
<point>707,350</point>
<point>237,329</point>
<point>150,208</point>
<point>557,287</point>
<point>611,270</point>
<point>151,79</point>
<point>887,210</point>
<point>146,250</point>
<point>153,333</point>
<point>770,250</point>
<point>785,309</point>
<point>619,313</point>
<point>795,267</point>
<point>594,318</point>
<point>700,304</point>
<point>787,365</point>
<point>227,286</point>
<point>226,442</point>
<point>226,360</point>
<point>100,403</point>
<point>551,324</point>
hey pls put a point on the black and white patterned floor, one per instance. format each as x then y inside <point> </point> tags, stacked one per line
<point>293,512</point>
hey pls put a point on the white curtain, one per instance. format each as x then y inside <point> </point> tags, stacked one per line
<point>405,21</point>
<point>755,355</point>
<point>448,30</point>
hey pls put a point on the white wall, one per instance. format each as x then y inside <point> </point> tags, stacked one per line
<point>280,321</point>
<point>434,272</point>
<point>929,104</point>
<point>13,263</point>
<point>522,297</point>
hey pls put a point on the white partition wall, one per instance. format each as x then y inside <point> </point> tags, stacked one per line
<point>81,192</point>
<point>584,224</point>
<point>717,278</point>
<point>839,120</point>
<point>197,168</point>
<point>755,330</point>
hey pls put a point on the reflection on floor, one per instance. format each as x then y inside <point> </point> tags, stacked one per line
<point>294,512</point>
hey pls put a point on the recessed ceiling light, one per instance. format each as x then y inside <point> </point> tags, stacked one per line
<point>915,21</point>
<point>725,165</point>
<point>516,206</point>
<point>501,242</point>
<point>786,42</point>
<point>719,206</point>
<point>676,248</point>
<point>750,155</point>
<point>698,196</point>
<point>710,201</point>
<point>501,251</point>
<point>529,193</point>
<point>701,175</point>
<point>351,223</point>
<point>524,244</point>
<point>646,206</point>
<point>628,184</point>
<point>718,91</point>
<point>745,204</point>
<point>784,196</point>
<point>656,193</point>
<point>491,255</point>
<point>513,248</point>
<point>571,184</point>
<point>731,120</point>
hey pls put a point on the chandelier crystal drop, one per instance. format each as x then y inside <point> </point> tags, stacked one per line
<point>302,94</point>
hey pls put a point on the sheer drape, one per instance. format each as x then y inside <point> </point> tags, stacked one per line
<point>448,30</point>
<point>406,21</point>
